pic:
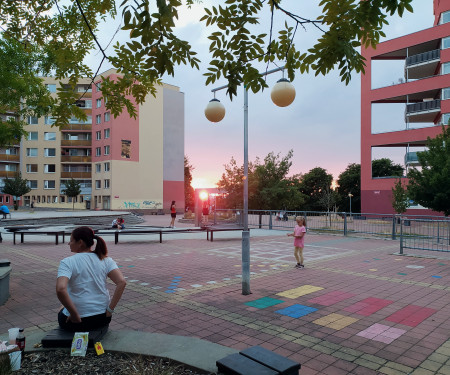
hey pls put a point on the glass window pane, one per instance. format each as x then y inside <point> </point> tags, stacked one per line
<point>446,43</point>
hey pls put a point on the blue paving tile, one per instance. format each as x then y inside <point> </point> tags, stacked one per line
<point>170,291</point>
<point>296,311</point>
<point>437,277</point>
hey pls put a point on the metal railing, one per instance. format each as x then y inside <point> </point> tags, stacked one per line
<point>414,231</point>
<point>423,57</point>
<point>430,105</point>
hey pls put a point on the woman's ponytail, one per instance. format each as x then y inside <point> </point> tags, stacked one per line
<point>100,248</point>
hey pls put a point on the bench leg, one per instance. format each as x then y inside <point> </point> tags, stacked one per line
<point>212,236</point>
<point>21,237</point>
<point>56,238</point>
<point>14,238</point>
<point>207,235</point>
<point>160,237</point>
<point>116,237</point>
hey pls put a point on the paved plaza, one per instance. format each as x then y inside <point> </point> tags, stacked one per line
<point>356,308</point>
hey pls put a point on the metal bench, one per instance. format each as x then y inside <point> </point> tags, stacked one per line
<point>212,229</point>
<point>55,233</point>
<point>257,361</point>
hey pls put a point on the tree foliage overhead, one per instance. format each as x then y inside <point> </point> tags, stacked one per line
<point>63,34</point>
<point>430,186</point>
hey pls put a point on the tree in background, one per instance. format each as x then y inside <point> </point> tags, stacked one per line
<point>400,200</point>
<point>348,182</point>
<point>66,33</point>
<point>16,187</point>
<point>430,186</point>
<point>385,167</point>
<point>313,185</point>
<point>72,189</point>
<point>274,190</point>
<point>189,194</point>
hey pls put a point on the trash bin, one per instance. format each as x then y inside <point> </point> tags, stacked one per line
<point>5,270</point>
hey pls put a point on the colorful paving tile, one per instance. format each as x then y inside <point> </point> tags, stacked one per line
<point>411,315</point>
<point>437,277</point>
<point>300,291</point>
<point>382,333</point>
<point>296,311</point>
<point>368,306</point>
<point>264,302</point>
<point>335,321</point>
<point>331,298</point>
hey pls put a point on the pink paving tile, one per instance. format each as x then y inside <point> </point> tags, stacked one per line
<point>331,298</point>
<point>411,315</point>
<point>381,333</point>
<point>368,306</point>
<point>376,328</point>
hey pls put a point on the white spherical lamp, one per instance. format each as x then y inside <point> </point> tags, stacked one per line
<point>283,93</point>
<point>215,111</point>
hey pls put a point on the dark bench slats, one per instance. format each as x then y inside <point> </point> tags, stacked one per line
<point>272,360</point>
<point>236,364</point>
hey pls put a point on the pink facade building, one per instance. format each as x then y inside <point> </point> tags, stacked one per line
<point>423,94</point>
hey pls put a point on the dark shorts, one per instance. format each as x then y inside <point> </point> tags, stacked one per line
<point>173,214</point>
<point>88,323</point>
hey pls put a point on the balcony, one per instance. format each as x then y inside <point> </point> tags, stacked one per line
<point>76,159</point>
<point>83,127</point>
<point>8,174</point>
<point>422,65</point>
<point>10,158</point>
<point>76,142</point>
<point>84,190</point>
<point>411,159</point>
<point>425,111</point>
<point>76,174</point>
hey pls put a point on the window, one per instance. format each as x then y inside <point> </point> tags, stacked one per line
<point>98,184</point>
<point>98,168</point>
<point>446,93</point>
<point>99,86</point>
<point>49,168</point>
<point>32,184</point>
<point>51,87</point>
<point>84,88</point>
<point>106,133</point>
<point>445,68</point>
<point>10,118</point>
<point>49,120</point>
<point>98,119</point>
<point>50,136</point>
<point>62,198</point>
<point>98,135</point>
<point>445,43</point>
<point>445,118</point>
<point>49,152</point>
<point>88,103</point>
<point>32,152</point>
<point>107,116</point>
<point>54,198</point>
<point>33,136</point>
<point>7,199</point>
<point>106,184</point>
<point>11,151</point>
<point>11,167</point>
<point>107,167</point>
<point>43,199</point>
<point>445,17</point>
<point>32,168</point>
<point>98,151</point>
<point>32,120</point>
<point>98,103</point>
<point>107,150</point>
<point>49,184</point>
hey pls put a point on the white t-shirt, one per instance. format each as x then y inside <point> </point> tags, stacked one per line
<point>87,282</point>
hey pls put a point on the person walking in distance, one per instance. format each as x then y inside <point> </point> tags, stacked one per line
<point>299,240</point>
<point>173,214</point>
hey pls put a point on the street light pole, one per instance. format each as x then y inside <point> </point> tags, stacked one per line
<point>245,232</point>
<point>350,195</point>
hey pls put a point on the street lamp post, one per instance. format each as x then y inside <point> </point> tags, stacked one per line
<point>350,195</point>
<point>283,94</point>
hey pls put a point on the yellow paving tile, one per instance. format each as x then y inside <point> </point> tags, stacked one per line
<point>342,323</point>
<point>335,321</point>
<point>373,269</point>
<point>300,291</point>
<point>325,320</point>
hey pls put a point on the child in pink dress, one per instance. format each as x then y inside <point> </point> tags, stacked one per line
<point>299,240</point>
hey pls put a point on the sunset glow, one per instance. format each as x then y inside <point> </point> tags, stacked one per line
<point>200,182</point>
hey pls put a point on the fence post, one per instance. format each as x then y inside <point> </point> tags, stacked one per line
<point>394,219</point>
<point>401,235</point>
<point>270,219</point>
<point>260,220</point>
<point>345,223</point>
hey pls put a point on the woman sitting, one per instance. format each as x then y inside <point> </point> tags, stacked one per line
<point>81,284</point>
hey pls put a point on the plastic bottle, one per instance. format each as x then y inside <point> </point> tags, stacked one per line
<point>20,340</point>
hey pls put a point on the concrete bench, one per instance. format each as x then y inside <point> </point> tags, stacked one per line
<point>139,231</point>
<point>5,270</point>
<point>257,361</point>
<point>210,230</point>
<point>55,233</point>
<point>58,338</point>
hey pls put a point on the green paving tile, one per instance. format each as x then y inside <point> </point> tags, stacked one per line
<point>401,273</point>
<point>368,364</point>
<point>399,367</point>
<point>264,302</point>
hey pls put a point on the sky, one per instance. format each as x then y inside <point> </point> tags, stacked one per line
<point>322,125</point>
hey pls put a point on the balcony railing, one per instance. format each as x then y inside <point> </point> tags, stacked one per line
<point>411,158</point>
<point>430,105</point>
<point>76,142</point>
<point>84,127</point>
<point>8,157</point>
<point>9,174</point>
<point>76,174</point>
<point>75,159</point>
<point>423,57</point>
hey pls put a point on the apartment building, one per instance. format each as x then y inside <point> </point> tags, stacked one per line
<point>121,163</point>
<point>421,96</point>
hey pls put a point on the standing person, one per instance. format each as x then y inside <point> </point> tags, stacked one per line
<point>205,213</point>
<point>173,214</point>
<point>299,240</point>
<point>81,284</point>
